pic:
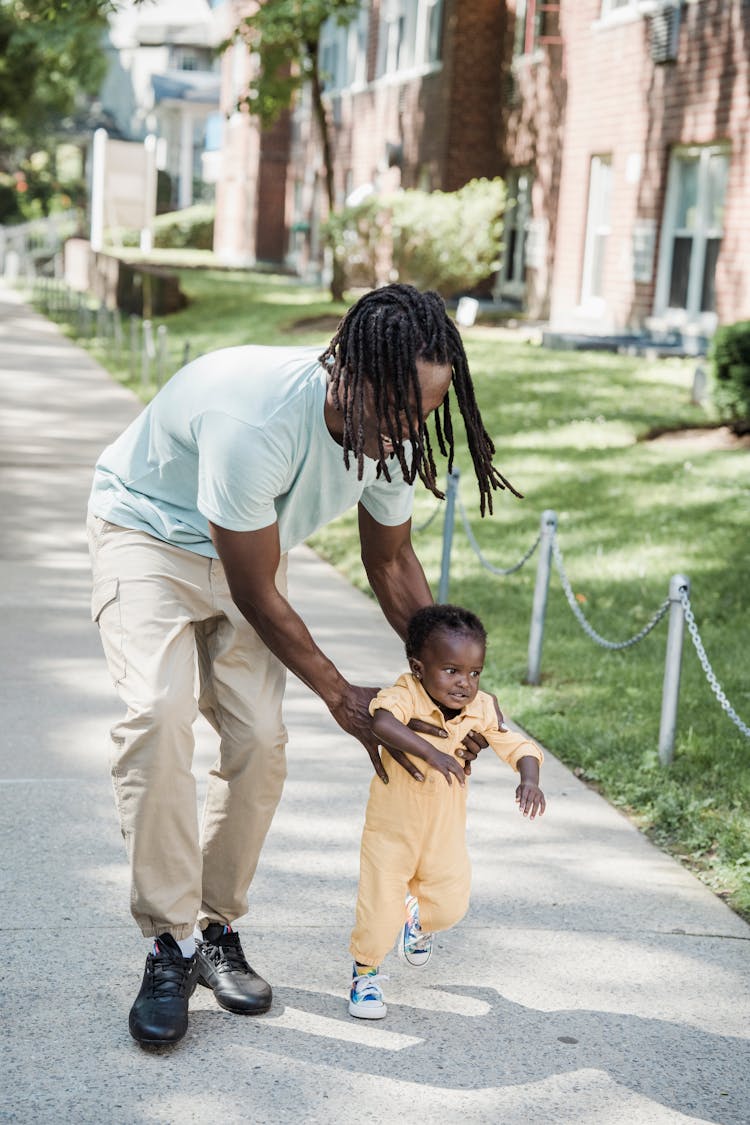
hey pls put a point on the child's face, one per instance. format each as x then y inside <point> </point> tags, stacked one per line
<point>449,667</point>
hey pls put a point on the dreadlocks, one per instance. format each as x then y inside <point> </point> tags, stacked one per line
<point>377,344</point>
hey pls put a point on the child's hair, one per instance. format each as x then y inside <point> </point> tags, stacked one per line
<point>451,618</point>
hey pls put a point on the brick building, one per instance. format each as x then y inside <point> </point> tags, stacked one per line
<point>621,127</point>
<point>251,222</point>
<point>413,92</point>
<point>626,136</point>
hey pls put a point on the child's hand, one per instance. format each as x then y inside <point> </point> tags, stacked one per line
<point>447,765</point>
<point>530,799</point>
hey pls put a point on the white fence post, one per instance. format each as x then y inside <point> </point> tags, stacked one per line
<point>541,588</point>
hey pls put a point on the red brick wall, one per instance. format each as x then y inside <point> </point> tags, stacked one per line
<point>445,121</point>
<point>473,60</point>
<point>619,102</point>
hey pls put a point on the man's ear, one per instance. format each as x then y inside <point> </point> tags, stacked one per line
<point>416,667</point>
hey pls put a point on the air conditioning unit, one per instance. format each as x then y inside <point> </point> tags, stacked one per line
<point>664,32</point>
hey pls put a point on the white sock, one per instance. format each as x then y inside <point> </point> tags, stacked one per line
<point>197,933</point>
<point>187,945</point>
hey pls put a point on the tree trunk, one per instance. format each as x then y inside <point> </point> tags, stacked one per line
<point>319,109</point>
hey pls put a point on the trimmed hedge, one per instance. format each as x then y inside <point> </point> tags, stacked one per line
<point>192,228</point>
<point>730,363</point>
<point>449,241</point>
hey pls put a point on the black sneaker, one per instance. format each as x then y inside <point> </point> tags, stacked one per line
<point>160,1012</point>
<point>222,967</point>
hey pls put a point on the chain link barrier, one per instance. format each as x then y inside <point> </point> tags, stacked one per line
<point>502,571</point>
<point>713,683</point>
<point>548,534</point>
<point>587,628</point>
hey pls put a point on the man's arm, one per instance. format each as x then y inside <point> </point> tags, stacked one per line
<point>250,560</point>
<point>393,570</point>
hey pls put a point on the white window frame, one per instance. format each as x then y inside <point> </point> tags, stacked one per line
<point>598,225</point>
<point>617,7</point>
<point>410,51</point>
<point>343,52</point>
<point>691,316</point>
<point>518,209</point>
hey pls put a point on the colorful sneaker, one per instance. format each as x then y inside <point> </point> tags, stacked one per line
<point>414,946</point>
<point>366,996</point>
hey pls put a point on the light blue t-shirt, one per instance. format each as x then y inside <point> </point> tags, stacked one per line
<point>238,437</point>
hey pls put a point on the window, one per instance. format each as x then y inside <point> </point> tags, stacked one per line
<point>537,25</point>
<point>409,34</point>
<point>513,272</point>
<point>692,231</point>
<point>191,58</point>
<point>343,51</point>
<point>597,229</point>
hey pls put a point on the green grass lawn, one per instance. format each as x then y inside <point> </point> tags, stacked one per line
<point>569,430</point>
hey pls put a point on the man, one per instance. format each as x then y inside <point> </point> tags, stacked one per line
<point>241,456</point>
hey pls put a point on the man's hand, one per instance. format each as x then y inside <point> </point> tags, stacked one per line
<point>402,740</point>
<point>473,742</point>
<point>353,716</point>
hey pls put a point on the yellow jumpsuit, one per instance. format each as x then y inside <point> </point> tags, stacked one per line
<point>415,832</point>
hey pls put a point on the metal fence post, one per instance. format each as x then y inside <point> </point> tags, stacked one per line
<point>101,322</point>
<point>541,588</point>
<point>133,340</point>
<point>450,515</point>
<point>147,353</point>
<point>117,332</point>
<point>161,353</point>
<point>672,666</point>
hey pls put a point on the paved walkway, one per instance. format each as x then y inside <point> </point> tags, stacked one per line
<point>594,980</point>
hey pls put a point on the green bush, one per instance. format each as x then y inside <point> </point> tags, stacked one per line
<point>192,228</point>
<point>449,241</point>
<point>730,361</point>
<point>355,235</point>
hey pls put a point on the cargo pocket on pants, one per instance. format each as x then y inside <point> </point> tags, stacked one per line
<point>105,612</point>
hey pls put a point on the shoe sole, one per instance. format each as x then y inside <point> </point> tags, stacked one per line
<point>356,1011</point>
<point>153,1044</point>
<point>404,956</point>
<point>143,1042</point>
<point>414,964</point>
<point>259,1011</point>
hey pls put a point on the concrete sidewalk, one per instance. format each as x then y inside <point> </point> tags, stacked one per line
<point>593,981</point>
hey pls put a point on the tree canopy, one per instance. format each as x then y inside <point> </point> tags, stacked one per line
<point>49,54</point>
<point>285,37</point>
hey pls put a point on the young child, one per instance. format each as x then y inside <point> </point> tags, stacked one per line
<point>414,839</point>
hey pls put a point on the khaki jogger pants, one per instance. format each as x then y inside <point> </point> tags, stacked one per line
<point>158,607</point>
